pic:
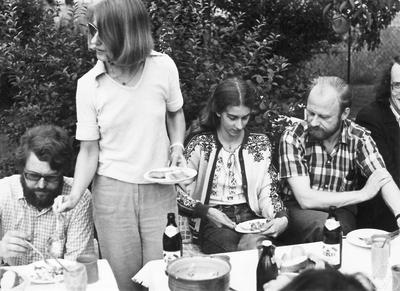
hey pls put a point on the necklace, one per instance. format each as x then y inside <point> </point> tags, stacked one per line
<point>230,146</point>
<point>131,75</point>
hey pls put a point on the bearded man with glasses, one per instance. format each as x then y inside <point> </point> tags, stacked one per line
<point>26,215</point>
<point>382,118</point>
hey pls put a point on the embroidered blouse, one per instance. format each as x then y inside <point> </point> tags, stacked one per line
<point>259,178</point>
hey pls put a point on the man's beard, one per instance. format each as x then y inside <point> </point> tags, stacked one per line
<point>320,134</point>
<point>32,199</point>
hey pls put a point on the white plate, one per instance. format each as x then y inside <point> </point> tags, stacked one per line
<point>355,237</point>
<point>245,227</point>
<point>188,172</point>
<point>48,278</point>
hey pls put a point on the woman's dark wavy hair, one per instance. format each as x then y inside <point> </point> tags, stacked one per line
<point>230,92</point>
<point>383,88</point>
<point>50,144</point>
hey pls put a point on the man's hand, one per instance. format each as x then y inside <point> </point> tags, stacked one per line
<point>13,244</point>
<point>65,202</point>
<point>219,218</point>
<point>375,182</point>
<point>275,227</point>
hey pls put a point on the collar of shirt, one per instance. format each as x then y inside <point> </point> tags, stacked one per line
<point>345,135</point>
<point>19,194</point>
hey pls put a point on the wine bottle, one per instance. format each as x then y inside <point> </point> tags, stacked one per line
<point>267,269</point>
<point>172,240</point>
<point>332,240</point>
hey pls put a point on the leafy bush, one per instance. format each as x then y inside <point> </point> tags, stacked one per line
<point>42,62</point>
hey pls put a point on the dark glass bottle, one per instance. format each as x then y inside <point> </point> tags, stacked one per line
<point>172,240</point>
<point>267,269</point>
<point>332,240</point>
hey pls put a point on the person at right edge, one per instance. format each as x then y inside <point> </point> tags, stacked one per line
<point>382,118</point>
<point>319,159</point>
<point>130,121</point>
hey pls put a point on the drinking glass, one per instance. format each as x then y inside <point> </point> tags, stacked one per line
<point>380,252</point>
<point>396,278</point>
<point>75,279</point>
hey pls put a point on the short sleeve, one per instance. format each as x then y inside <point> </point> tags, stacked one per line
<point>174,98</point>
<point>368,157</point>
<point>291,153</point>
<point>86,127</point>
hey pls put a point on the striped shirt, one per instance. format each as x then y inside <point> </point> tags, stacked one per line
<point>301,155</point>
<point>73,232</point>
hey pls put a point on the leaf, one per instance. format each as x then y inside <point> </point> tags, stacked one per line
<point>352,4</point>
<point>343,6</point>
<point>326,8</point>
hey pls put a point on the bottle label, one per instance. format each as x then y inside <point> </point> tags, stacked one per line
<point>332,224</point>
<point>331,254</point>
<point>171,230</point>
<point>170,256</point>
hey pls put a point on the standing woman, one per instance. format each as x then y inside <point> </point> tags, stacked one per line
<point>130,120</point>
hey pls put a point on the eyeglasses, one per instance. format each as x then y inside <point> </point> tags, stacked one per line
<point>395,85</point>
<point>92,29</point>
<point>35,177</point>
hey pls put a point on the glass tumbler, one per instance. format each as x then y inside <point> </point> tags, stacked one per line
<point>380,253</point>
<point>75,279</point>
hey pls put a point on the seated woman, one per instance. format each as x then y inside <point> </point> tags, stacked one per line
<point>236,181</point>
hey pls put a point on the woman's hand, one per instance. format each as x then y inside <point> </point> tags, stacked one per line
<point>177,158</point>
<point>219,218</point>
<point>276,226</point>
<point>65,202</point>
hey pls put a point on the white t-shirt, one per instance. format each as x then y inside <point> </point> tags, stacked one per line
<point>129,122</point>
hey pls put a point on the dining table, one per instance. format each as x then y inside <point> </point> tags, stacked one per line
<point>106,279</point>
<point>355,258</point>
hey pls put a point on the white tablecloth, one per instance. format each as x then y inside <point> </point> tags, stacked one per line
<point>106,280</point>
<point>244,264</point>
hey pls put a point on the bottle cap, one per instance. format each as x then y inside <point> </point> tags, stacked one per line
<point>266,243</point>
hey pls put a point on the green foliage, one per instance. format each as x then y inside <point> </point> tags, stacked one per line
<point>42,61</point>
<point>209,44</point>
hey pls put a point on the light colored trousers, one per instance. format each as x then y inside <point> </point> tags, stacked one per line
<point>130,221</point>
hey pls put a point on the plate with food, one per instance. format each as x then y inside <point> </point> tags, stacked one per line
<point>296,260</point>
<point>170,175</point>
<point>252,226</point>
<point>42,273</point>
<point>361,237</point>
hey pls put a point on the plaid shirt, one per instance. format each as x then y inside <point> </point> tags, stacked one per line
<point>74,232</point>
<point>300,155</point>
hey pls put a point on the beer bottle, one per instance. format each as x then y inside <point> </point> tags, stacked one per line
<point>172,240</point>
<point>332,240</point>
<point>267,269</point>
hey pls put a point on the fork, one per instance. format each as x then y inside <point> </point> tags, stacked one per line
<point>392,235</point>
<point>41,254</point>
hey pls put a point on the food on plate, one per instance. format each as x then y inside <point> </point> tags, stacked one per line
<point>177,174</point>
<point>256,225</point>
<point>46,273</point>
<point>297,260</point>
<point>158,174</point>
<point>9,279</point>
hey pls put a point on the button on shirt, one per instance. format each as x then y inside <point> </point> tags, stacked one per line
<point>300,155</point>
<point>73,232</point>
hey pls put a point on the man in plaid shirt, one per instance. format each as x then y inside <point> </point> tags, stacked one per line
<point>26,215</point>
<point>319,161</point>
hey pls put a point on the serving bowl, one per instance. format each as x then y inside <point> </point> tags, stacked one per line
<point>199,273</point>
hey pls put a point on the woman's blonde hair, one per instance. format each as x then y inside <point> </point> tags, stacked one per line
<point>124,28</point>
